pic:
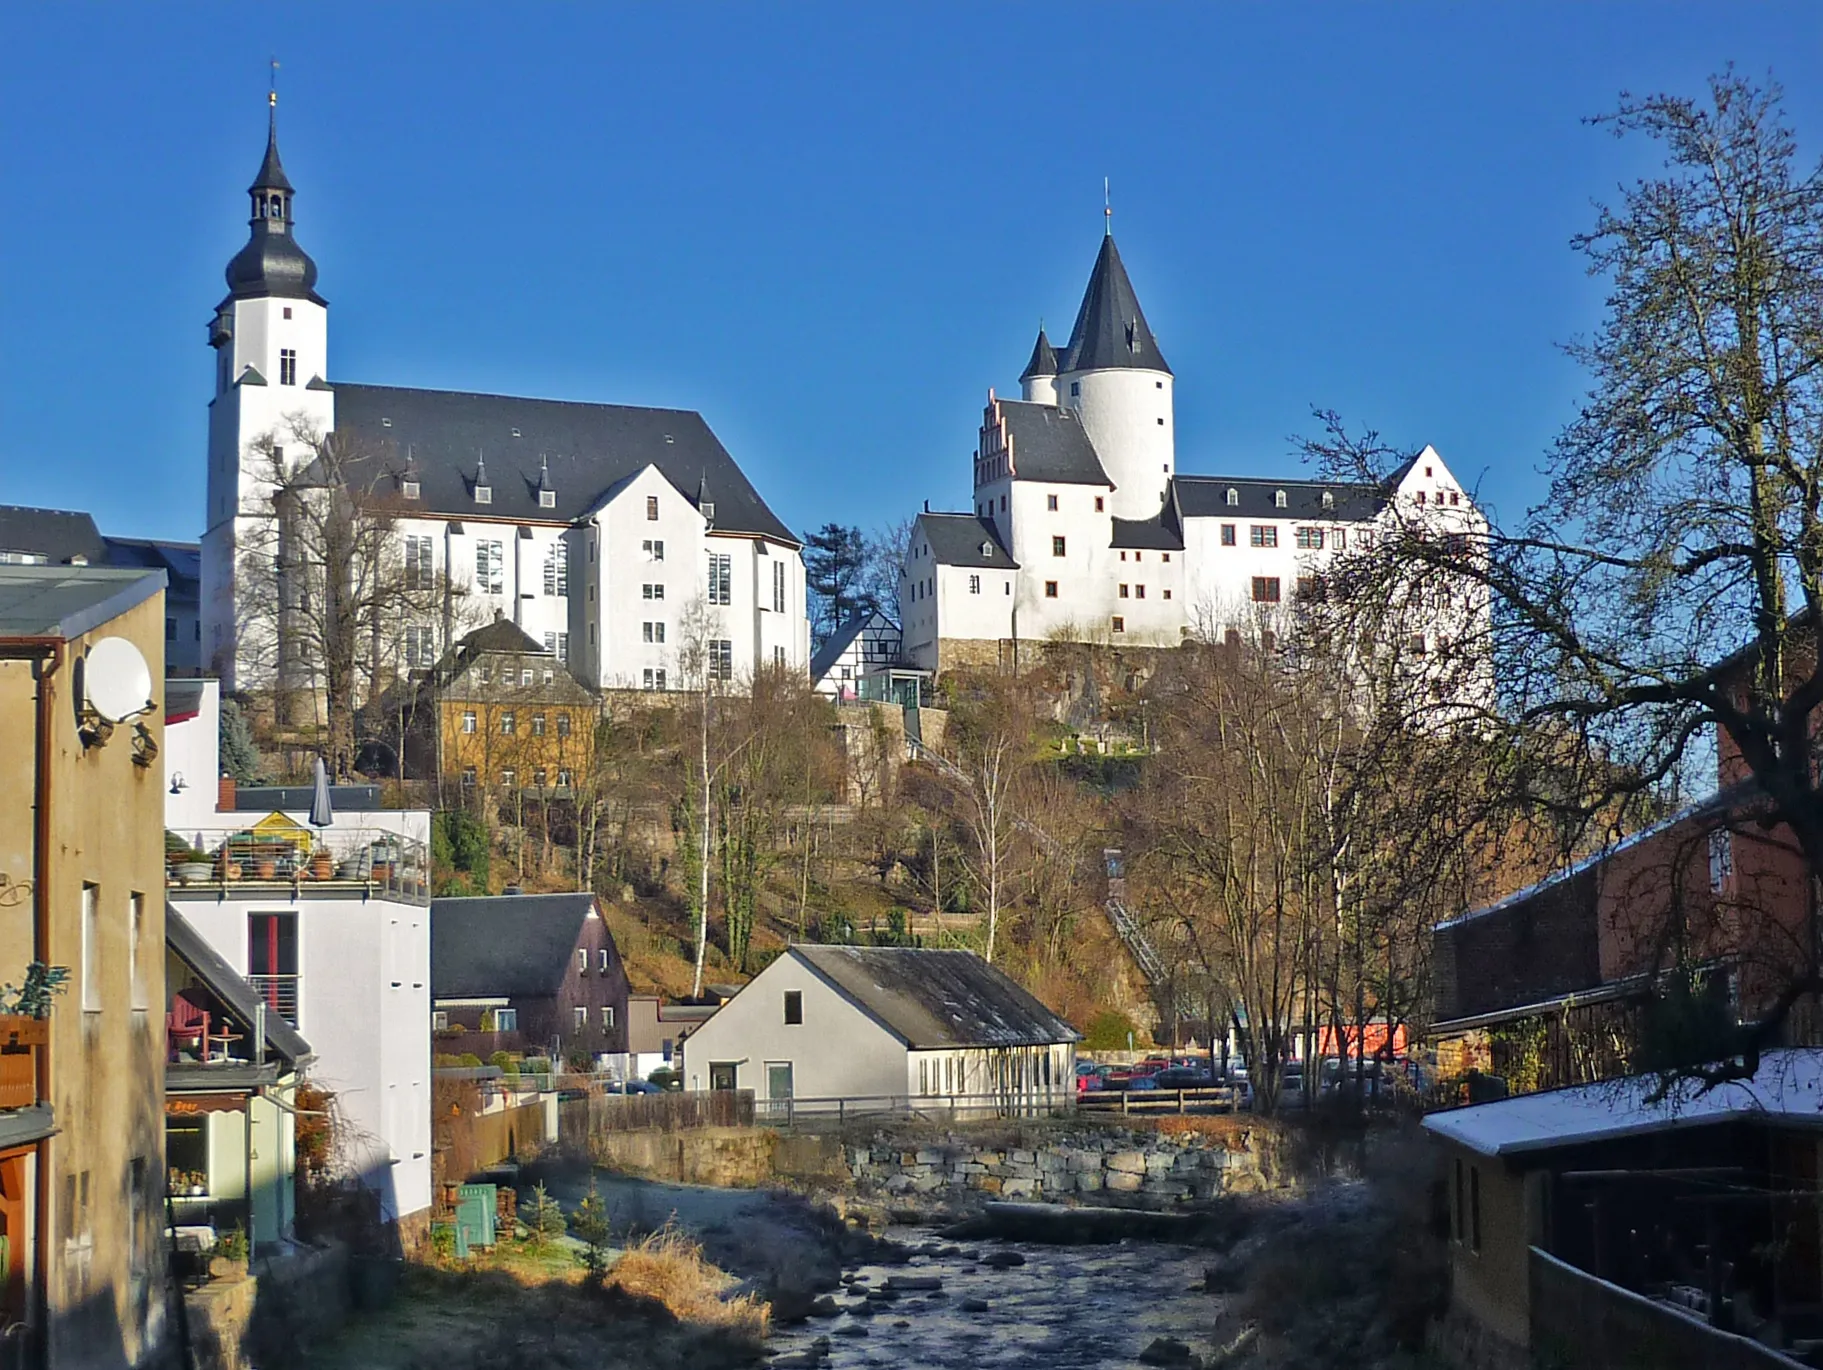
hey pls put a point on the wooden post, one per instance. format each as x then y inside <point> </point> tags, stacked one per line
<point>1180,1102</point>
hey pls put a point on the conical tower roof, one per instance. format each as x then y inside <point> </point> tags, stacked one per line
<point>1111,330</point>
<point>272,171</point>
<point>1044,358</point>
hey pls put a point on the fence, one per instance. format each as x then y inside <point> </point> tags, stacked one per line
<point>1217,1099</point>
<point>673,1111</point>
<point>811,1112</point>
<point>264,854</point>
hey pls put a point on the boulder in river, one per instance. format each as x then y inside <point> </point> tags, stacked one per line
<point>973,1305</point>
<point>913,1284</point>
<point>823,1307</point>
<point>1003,1260</point>
<point>1170,1351</point>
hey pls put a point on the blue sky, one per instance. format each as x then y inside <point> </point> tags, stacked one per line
<point>832,228</point>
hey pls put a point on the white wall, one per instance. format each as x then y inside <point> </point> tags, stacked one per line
<point>1121,412</point>
<point>837,1051</point>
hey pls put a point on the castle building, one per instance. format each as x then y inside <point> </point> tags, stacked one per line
<point>1083,528</point>
<point>591,527</point>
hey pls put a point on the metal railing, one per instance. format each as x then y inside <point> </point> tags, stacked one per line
<point>373,861</point>
<point>280,993</point>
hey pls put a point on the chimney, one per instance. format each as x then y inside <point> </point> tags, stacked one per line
<point>224,795</point>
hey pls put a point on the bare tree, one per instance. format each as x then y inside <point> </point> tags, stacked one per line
<point>1685,516</point>
<point>986,757</point>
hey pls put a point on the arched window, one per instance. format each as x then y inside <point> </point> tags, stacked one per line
<point>1234,496</point>
<point>1278,499</point>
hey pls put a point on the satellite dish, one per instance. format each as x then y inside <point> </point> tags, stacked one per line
<point>117,680</point>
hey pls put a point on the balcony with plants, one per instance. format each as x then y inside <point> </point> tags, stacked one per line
<point>279,853</point>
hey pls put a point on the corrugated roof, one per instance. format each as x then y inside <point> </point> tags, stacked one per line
<point>1787,1089</point>
<point>1050,444</point>
<point>959,540</point>
<point>68,601</point>
<point>505,946</point>
<point>584,449</point>
<point>931,999</point>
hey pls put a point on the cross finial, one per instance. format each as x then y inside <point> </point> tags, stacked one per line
<point>1107,209</point>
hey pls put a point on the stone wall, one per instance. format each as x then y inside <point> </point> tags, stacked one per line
<point>292,1302</point>
<point>1141,1167</point>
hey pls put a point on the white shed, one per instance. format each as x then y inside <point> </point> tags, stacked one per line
<point>828,1027</point>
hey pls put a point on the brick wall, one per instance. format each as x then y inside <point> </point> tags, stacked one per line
<point>1523,952</point>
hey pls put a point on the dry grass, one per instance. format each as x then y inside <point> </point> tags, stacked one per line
<point>669,1267</point>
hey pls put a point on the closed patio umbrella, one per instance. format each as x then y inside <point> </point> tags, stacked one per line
<point>321,815</point>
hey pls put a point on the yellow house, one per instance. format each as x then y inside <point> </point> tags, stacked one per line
<point>509,718</point>
<point>82,887</point>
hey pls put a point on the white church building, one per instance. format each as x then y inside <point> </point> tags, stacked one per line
<point>1083,528</point>
<point>591,526</point>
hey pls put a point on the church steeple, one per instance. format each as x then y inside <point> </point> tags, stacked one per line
<point>1111,330</point>
<point>272,264</point>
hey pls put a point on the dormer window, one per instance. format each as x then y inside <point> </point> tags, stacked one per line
<point>709,512</point>
<point>484,494</point>
<point>1278,499</point>
<point>987,549</point>
<point>1234,496</point>
<point>547,499</point>
<point>409,488</point>
<point>1329,500</point>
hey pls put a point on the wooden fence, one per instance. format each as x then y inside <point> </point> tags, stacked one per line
<point>667,1112</point>
<point>1217,1099</point>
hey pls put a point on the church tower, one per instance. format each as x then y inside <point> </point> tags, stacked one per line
<point>271,341</point>
<point>1115,378</point>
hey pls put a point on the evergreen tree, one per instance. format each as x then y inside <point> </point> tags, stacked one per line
<point>835,568</point>
<point>589,1225</point>
<point>239,757</point>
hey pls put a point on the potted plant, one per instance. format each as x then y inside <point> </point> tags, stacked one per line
<point>188,865</point>
<point>226,867</point>
<point>229,1259</point>
<point>322,864</point>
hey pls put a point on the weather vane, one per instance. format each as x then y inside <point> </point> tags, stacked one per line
<point>272,94</point>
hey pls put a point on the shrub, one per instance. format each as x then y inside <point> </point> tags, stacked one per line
<point>468,1058</point>
<point>589,1225</point>
<point>544,1216</point>
<point>669,1267</point>
<point>1108,1032</point>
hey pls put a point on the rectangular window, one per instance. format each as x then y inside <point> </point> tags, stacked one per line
<point>509,723</point>
<point>652,632</point>
<point>721,578</point>
<point>582,1016</point>
<point>974,585</point>
<point>721,659</point>
<point>794,1006</point>
<point>1265,589</point>
<point>490,568</point>
<point>582,959</point>
<point>1139,592</point>
<point>1050,589</point>
<point>468,720</point>
<point>556,572</point>
<point>1098,504</point>
<point>654,548</point>
<point>1167,594</point>
<point>1050,503</point>
<point>468,777</point>
<point>136,926</point>
<point>1227,535</point>
<point>1123,592</point>
<point>508,777</point>
<point>506,1020</point>
<point>418,554</point>
<point>1310,539</point>
<point>1262,535</point>
<point>439,1020</point>
<point>526,676</point>
<point>1057,546</point>
<point>288,366</point>
<point>1120,624</point>
<point>651,592</point>
<point>606,956</point>
<point>537,725</point>
<point>652,508</point>
<point>563,778</point>
<point>91,948</point>
<point>563,725</point>
<point>778,587</point>
<point>420,646</point>
<point>607,1018</point>
<point>646,679</point>
<point>1341,539</point>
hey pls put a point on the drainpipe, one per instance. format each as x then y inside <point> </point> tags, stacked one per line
<point>46,656</point>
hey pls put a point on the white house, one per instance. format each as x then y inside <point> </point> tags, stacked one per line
<point>829,1026</point>
<point>1082,526</point>
<point>331,927</point>
<point>590,526</point>
<point>868,645</point>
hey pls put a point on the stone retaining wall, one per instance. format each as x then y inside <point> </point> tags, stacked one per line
<point>1147,1168</point>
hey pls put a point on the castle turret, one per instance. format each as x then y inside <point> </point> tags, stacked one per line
<point>1038,382</point>
<point>1114,376</point>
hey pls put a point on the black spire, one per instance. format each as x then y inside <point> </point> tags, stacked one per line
<point>1044,358</point>
<point>1111,331</point>
<point>272,264</point>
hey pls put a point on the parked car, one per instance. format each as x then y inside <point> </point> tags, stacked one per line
<point>1137,1082</point>
<point>1184,1077</point>
<point>1087,1084</point>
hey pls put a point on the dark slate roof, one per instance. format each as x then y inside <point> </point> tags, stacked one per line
<point>586,448</point>
<point>225,984</point>
<point>68,601</point>
<point>937,998</point>
<point>1111,330</point>
<point>502,635</point>
<point>1207,497</point>
<point>180,561</point>
<point>1044,359</point>
<point>1049,444</point>
<point>272,264</point>
<point>957,540</point>
<point>840,640</point>
<point>60,534</point>
<point>272,171</point>
<point>1161,532</point>
<point>508,946</point>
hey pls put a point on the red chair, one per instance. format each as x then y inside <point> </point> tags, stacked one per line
<point>187,1022</point>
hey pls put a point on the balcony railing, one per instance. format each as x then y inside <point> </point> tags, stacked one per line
<point>280,993</point>
<point>278,852</point>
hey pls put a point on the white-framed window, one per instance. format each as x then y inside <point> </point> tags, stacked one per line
<point>418,563</point>
<point>654,548</point>
<point>974,585</point>
<point>537,725</point>
<point>508,777</point>
<point>652,591</point>
<point>288,366</point>
<point>556,572</point>
<point>778,656</point>
<point>420,646</point>
<point>490,568</point>
<point>721,578</point>
<point>468,777</point>
<point>538,780</point>
<point>651,632</point>
<point>654,679</point>
<point>652,508</point>
<point>607,1018</point>
<point>778,587</point>
<point>526,676</point>
<point>563,778</point>
<point>606,958</point>
<point>468,720</point>
<point>721,658</point>
<point>509,723</point>
<point>582,959</point>
<point>439,1020</point>
<point>563,725</point>
<point>506,1020</point>
<point>582,1016</point>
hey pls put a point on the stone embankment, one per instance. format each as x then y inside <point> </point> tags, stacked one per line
<point>1148,1169</point>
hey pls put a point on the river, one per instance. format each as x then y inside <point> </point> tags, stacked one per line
<point>1065,1308</point>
